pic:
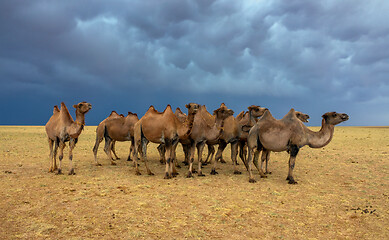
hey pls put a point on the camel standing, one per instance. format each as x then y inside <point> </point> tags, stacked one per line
<point>289,134</point>
<point>61,128</point>
<point>206,128</point>
<point>266,153</point>
<point>233,134</point>
<point>163,128</point>
<point>100,135</point>
<point>117,129</point>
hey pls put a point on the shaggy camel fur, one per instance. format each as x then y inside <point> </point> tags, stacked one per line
<point>266,154</point>
<point>118,129</point>
<point>289,134</point>
<point>100,135</point>
<point>61,128</point>
<point>163,128</point>
<point>233,134</point>
<point>206,128</point>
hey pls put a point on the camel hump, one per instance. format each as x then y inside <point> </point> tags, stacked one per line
<point>240,115</point>
<point>222,105</point>
<point>132,114</point>
<point>178,110</point>
<point>114,113</point>
<point>56,109</point>
<point>168,109</point>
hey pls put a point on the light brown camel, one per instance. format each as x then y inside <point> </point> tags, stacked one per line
<point>266,154</point>
<point>163,128</point>
<point>206,128</point>
<point>62,128</point>
<point>233,133</point>
<point>289,134</point>
<point>118,129</point>
<point>100,135</point>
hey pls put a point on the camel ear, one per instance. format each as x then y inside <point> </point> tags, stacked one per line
<point>325,116</point>
<point>75,105</point>
<point>187,106</point>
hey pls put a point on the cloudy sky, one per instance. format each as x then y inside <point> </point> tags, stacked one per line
<point>314,56</point>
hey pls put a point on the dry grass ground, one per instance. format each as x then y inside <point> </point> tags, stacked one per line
<point>342,193</point>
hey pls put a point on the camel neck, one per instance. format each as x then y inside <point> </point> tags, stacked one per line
<point>80,118</point>
<point>322,137</point>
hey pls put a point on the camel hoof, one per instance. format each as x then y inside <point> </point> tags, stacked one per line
<point>204,164</point>
<point>194,171</point>
<point>222,161</point>
<point>118,158</point>
<point>178,166</point>
<point>175,174</point>
<point>237,172</point>
<point>189,175</point>
<point>201,175</point>
<point>71,172</point>
<point>138,173</point>
<point>251,180</point>
<point>98,164</point>
<point>167,176</point>
<point>129,160</point>
<point>59,172</point>
<point>213,172</point>
<point>150,174</point>
<point>185,163</point>
<point>292,181</point>
<point>267,172</point>
<point>113,163</point>
<point>263,176</point>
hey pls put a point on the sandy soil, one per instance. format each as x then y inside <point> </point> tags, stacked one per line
<point>343,193</point>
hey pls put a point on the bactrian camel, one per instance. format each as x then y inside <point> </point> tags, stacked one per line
<point>233,134</point>
<point>163,128</point>
<point>266,154</point>
<point>206,128</point>
<point>100,135</point>
<point>62,128</point>
<point>117,129</point>
<point>289,134</point>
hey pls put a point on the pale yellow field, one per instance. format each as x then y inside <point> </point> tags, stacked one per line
<point>343,193</point>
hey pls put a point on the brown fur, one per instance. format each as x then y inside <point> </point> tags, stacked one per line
<point>206,128</point>
<point>289,134</point>
<point>163,128</point>
<point>100,135</point>
<point>117,129</point>
<point>62,128</point>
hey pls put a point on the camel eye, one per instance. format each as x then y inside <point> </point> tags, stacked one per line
<point>334,115</point>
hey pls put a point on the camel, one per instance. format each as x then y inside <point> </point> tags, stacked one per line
<point>163,128</point>
<point>289,134</point>
<point>266,154</point>
<point>117,129</point>
<point>100,135</point>
<point>206,128</point>
<point>233,133</point>
<point>62,128</point>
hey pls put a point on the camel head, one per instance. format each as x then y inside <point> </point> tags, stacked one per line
<point>223,112</point>
<point>83,107</point>
<point>192,108</point>
<point>256,111</point>
<point>334,118</point>
<point>302,116</point>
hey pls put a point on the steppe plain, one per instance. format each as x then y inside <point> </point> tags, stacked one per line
<point>342,193</point>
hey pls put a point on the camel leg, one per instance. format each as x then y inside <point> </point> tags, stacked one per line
<point>51,144</point>
<point>211,152</point>
<point>61,147</point>
<point>249,163</point>
<point>174,157</point>
<point>255,161</point>
<point>162,152</point>
<point>138,149</point>
<point>293,153</point>
<point>72,144</point>
<point>131,150</point>
<point>218,156</point>
<point>191,159</point>
<point>113,144</point>
<point>168,173</point>
<point>234,154</point>
<point>144,150</point>
<point>243,152</point>
<point>267,163</point>
<point>186,149</point>
<point>107,149</point>
<point>200,148</point>
<point>96,148</point>
<point>56,144</point>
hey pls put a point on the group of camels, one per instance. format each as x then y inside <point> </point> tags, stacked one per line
<point>252,131</point>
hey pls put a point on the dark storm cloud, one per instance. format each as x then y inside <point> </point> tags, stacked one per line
<point>317,55</point>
